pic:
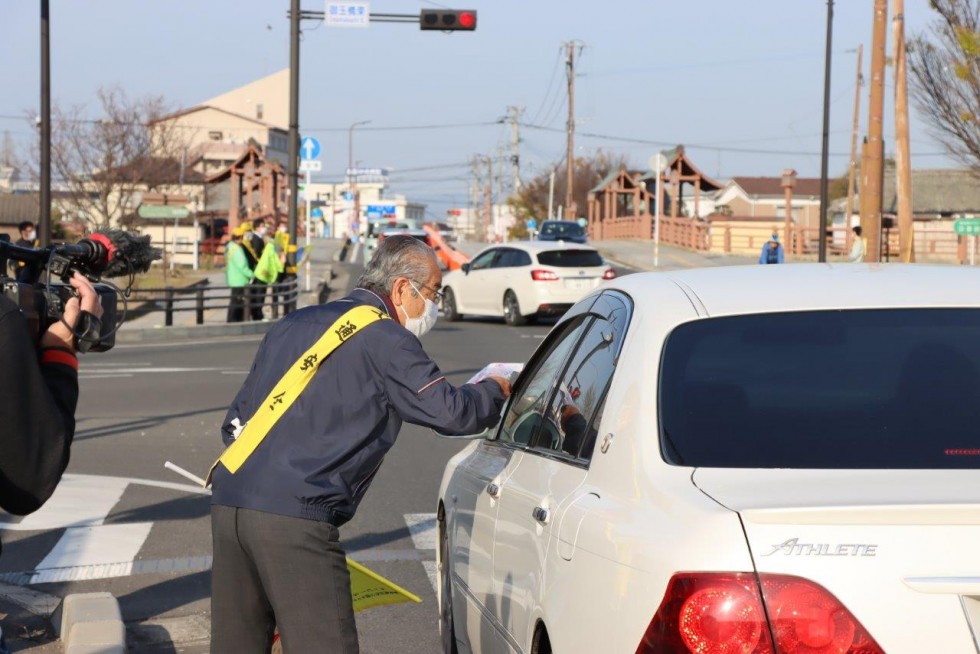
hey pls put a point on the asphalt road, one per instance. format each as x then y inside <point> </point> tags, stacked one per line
<point>124,524</point>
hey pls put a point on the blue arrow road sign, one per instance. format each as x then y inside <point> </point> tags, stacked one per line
<point>309,149</point>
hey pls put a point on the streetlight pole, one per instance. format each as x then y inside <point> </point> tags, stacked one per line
<point>822,248</point>
<point>291,172</point>
<point>352,178</point>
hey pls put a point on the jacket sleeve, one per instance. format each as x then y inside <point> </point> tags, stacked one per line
<point>421,395</point>
<point>37,411</point>
<point>779,254</point>
<point>240,262</point>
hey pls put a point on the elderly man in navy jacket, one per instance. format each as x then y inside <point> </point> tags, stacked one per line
<point>276,509</point>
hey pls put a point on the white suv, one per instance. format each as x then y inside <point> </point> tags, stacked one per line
<point>523,280</point>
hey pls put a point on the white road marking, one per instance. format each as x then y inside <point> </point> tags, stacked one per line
<point>104,550</point>
<point>87,365</point>
<point>79,500</point>
<point>82,375</point>
<point>422,527</point>
<point>182,343</point>
<point>433,573</point>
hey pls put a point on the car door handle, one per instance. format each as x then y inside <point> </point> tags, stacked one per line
<point>540,514</point>
<point>493,490</point>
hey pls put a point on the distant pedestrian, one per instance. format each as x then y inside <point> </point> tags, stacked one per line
<point>859,248</point>
<point>28,239</point>
<point>254,243</point>
<point>772,251</point>
<point>238,275</point>
<point>345,247</point>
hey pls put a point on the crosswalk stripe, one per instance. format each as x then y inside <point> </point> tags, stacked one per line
<point>422,527</point>
<point>104,550</point>
<point>79,500</point>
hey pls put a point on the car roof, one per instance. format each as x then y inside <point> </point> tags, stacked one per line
<point>749,289</point>
<point>534,247</point>
<point>404,230</point>
<point>561,222</point>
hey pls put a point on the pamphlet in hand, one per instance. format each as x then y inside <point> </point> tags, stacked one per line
<point>508,371</point>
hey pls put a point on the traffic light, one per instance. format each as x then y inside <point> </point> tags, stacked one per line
<point>448,20</point>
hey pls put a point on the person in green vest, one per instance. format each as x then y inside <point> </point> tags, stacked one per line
<point>270,266</point>
<point>238,275</point>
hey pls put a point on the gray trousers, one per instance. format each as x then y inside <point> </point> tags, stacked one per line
<point>275,571</point>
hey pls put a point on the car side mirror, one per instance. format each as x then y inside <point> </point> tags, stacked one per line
<point>465,268</point>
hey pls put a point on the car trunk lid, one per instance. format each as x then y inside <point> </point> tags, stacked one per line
<point>897,547</point>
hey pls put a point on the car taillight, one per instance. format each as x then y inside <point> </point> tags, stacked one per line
<point>543,276</point>
<point>609,274</point>
<point>722,612</point>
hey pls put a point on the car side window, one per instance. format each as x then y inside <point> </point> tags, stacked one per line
<point>485,260</point>
<point>521,258</point>
<point>525,414</point>
<point>506,258</point>
<point>575,408</point>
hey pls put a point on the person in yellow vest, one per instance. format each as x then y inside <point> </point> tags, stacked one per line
<point>322,405</point>
<point>270,266</point>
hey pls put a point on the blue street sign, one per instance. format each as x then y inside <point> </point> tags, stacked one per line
<point>309,148</point>
<point>348,195</point>
<point>316,213</point>
<point>532,224</point>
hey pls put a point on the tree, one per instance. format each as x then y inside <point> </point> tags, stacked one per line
<point>104,163</point>
<point>945,68</point>
<point>532,200</point>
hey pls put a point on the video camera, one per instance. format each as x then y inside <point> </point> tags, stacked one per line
<point>105,253</point>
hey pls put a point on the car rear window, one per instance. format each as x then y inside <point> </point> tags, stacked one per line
<point>562,229</point>
<point>570,258</point>
<point>824,389</point>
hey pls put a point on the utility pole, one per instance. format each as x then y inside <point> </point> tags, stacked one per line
<point>514,117</point>
<point>570,207</point>
<point>872,178</point>
<point>858,83</point>
<point>294,18</point>
<point>903,163</point>
<point>488,198</point>
<point>44,221</point>
<point>822,235</point>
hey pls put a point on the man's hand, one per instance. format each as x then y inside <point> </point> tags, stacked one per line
<point>58,335</point>
<point>504,384</point>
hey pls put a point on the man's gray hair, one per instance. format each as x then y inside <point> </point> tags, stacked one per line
<point>397,256</point>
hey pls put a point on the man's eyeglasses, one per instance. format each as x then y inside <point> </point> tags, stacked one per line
<point>437,294</point>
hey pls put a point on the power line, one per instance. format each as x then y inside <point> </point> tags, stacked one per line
<point>551,84</point>
<point>714,148</point>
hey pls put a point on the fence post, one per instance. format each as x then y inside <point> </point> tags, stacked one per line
<point>200,306</point>
<point>169,304</point>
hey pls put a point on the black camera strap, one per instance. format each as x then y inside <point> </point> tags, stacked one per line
<point>87,331</point>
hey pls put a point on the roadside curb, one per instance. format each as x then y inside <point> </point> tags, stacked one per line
<point>90,622</point>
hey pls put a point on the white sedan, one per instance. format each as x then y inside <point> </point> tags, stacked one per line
<point>522,280</point>
<point>771,459</point>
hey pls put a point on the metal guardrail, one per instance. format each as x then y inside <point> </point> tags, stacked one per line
<point>203,297</point>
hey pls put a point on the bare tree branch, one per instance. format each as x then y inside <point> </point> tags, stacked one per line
<point>105,163</point>
<point>945,67</point>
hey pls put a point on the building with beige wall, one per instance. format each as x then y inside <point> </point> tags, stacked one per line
<point>265,99</point>
<point>764,197</point>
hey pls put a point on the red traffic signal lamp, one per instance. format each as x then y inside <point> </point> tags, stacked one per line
<point>448,20</point>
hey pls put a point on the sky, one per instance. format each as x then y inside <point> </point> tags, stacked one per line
<point>740,84</point>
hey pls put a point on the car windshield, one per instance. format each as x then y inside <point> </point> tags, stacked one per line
<point>376,228</point>
<point>561,230</point>
<point>570,258</point>
<point>826,389</point>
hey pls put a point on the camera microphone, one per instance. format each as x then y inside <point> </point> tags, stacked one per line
<point>112,253</point>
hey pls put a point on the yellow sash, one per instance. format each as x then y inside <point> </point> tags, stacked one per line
<point>292,384</point>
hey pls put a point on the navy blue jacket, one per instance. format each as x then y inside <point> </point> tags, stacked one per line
<point>320,457</point>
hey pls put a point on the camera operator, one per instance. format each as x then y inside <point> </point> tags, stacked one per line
<point>38,394</point>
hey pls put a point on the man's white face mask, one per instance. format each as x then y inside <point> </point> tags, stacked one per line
<point>430,314</point>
